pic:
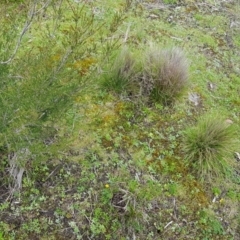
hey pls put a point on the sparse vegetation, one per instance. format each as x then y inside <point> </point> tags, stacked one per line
<point>107,128</point>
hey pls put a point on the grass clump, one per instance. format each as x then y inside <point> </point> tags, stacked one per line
<point>158,75</point>
<point>165,74</point>
<point>209,146</point>
<point>122,74</point>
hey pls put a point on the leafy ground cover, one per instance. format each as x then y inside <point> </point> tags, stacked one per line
<point>80,160</point>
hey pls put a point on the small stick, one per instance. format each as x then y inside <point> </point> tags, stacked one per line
<point>168,224</point>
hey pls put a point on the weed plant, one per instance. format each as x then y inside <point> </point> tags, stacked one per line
<point>209,146</point>
<point>165,74</point>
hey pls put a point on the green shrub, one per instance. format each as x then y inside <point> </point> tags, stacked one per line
<point>41,76</point>
<point>210,145</point>
<point>165,74</point>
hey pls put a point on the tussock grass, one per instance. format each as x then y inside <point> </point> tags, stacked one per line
<point>122,74</point>
<point>165,73</point>
<point>160,75</point>
<point>209,146</point>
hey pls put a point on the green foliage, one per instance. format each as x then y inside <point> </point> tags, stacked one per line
<point>14,1</point>
<point>32,226</point>
<point>170,1</point>
<point>210,145</point>
<point>210,225</point>
<point>42,82</point>
<point>1,236</point>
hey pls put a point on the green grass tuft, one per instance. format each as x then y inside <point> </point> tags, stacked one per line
<point>210,145</point>
<point>122,74</point>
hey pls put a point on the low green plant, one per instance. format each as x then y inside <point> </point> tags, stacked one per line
<point>76,230</point>
<point>32,226</point>
<point>210,145</point>
<point>211,226</point>
<point>165,74</point>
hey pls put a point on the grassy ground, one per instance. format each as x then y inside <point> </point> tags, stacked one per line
<point>107,165</point>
